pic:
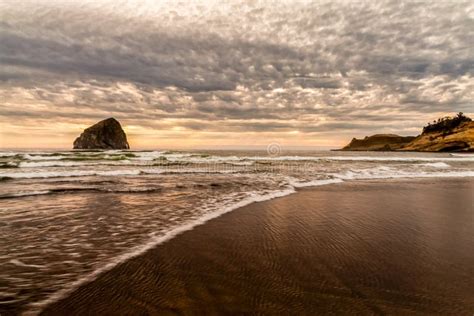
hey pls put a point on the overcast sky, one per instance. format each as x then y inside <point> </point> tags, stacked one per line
<point>224,73</point>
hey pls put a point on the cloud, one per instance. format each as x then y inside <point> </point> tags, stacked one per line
<point>253,67</point>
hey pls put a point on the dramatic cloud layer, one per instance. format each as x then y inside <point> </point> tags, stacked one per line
<point>231,73</point>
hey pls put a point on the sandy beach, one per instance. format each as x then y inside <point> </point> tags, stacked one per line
<point>372,247</point>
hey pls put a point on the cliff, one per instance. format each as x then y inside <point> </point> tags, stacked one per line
<point>458,139</point>
<point>379,142</point>
<point>452,134</point>
<point>106,134</point>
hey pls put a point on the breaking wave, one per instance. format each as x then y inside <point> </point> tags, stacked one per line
<point>191,189</point>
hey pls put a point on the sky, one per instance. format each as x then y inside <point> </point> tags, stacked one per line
<point>224,74</point>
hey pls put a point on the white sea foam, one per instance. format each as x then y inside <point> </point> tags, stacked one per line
<point>131,172</point>
<point>400,159</point>
<point>6,154</point>
<point>313,183</point>
<point>40,157</point>
<point>222,159</point>
<point>374,174</point>
<point>28,164</point>
<point>29,193</point>
<point>465,155</point>
<point>361,158</point>
<point>150,155</point>
<point>22,264</point>
<point>55,163</point>
<point>76,173</point>
<point>75,190</point>
<point>44,159</point>
<point>440,165</point>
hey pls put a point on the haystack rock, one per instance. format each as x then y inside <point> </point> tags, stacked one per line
<point>107,134</point>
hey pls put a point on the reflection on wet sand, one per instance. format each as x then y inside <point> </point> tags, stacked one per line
<point>400,247</point>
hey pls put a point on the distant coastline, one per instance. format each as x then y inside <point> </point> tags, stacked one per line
<point>448,134</point>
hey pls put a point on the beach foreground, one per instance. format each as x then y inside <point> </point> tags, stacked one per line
<point>375,247</point>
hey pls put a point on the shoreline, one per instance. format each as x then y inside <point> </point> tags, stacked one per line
<point>65,295</point>
<point>143,249</point>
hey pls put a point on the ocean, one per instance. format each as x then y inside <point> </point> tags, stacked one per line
<point>67,216</point>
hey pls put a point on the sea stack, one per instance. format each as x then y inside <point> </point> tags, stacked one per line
<point>106,134</point>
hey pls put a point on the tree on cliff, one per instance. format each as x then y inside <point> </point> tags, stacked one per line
<point>446,124</point>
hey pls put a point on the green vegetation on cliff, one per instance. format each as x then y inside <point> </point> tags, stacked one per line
<point>446,134</point>
<point>446,124</point>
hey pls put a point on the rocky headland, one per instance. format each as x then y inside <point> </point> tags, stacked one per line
<point>106,134</point>
<point>448,134</point>
<point>379,142</point>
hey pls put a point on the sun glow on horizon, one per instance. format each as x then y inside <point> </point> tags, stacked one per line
<point>190,74</point>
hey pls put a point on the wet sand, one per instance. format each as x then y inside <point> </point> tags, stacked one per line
<point>378,247</point>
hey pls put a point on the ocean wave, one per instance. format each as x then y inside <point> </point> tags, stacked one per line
<point>217,169</point>
<point>129,163</point>
<point>8,165</point>
<point>59,163</point>
<point>39,164</point>
<point>6,154</point>
<point>236,159</point>
<point>74,156</point>
<point>24,194</point>
<point>25,265</point>
<point>43,156</point>
<point>144,158</point>
<point>130,172</point>
<point>440,165</point>
<point>398,174</point>
<point>77,190</point>
<point>76,173</point>
<point>361,158</point>
<point>301,184</point>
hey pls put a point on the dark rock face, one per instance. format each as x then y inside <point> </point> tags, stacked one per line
<point>379,142</point>
<point>448,134</point>
<point>107,134</point>
<point>457,139</point>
